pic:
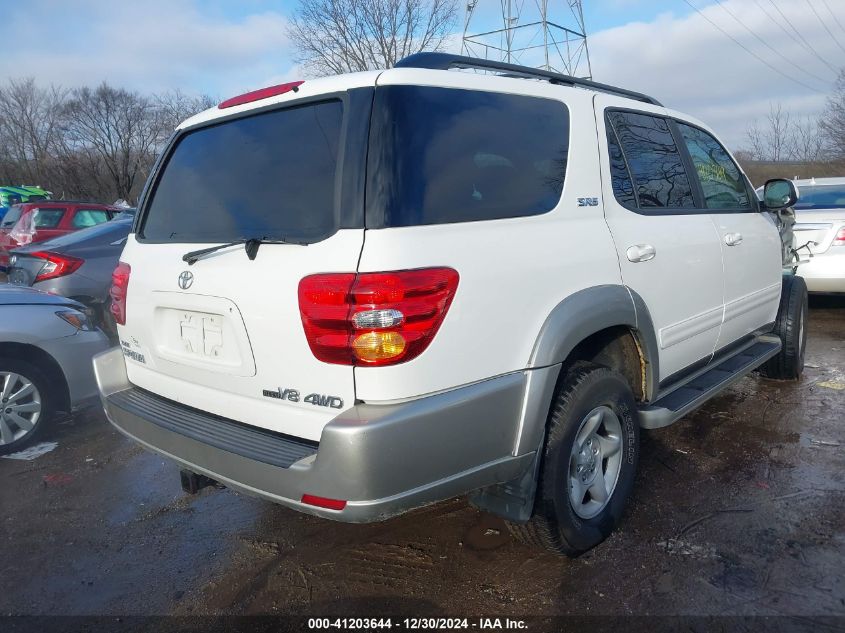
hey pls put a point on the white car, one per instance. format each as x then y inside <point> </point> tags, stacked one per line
<point>361,294</point>
<point>820,225</point>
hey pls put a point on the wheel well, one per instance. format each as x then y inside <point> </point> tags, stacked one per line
<point>44,362</point>
<point>616,348</point>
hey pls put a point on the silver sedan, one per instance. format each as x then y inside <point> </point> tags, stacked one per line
<point>46,346</point>
<point>820,233</point>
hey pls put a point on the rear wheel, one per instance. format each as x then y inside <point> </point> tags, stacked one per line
<point>791,328</point>
<point>588,463</point>
<point>25,406</point>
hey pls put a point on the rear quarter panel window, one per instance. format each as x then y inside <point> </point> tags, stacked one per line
<point>440,155</point>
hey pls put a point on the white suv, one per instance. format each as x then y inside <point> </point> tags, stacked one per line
<point>358,295</point>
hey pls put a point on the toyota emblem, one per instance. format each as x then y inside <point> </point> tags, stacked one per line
<point>186,278</point>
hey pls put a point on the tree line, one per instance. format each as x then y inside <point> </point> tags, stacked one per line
<point>95,144</point>
<point>814,144</point>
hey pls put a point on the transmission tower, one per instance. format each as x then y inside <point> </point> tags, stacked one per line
<point>546,34</point>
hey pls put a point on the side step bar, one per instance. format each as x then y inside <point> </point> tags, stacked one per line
<point>702,386</point>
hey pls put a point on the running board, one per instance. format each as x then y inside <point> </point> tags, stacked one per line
<point>702,386</point>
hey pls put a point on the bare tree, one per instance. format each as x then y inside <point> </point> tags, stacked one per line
<point>29,130</point>
<point>771,142</point>
<point>339,36</point>
<point>807,141</point>
<point>175,106</point>
<point>833,119</point>
<point>781,137</point>
<point>114,133</point>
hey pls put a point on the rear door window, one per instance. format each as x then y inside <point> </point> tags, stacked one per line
<point>47,218</point>
<point>722,183</point>
<point>441,155</point>
<point>660,178</point>
<point>83,218</point>
<point>268,175</point>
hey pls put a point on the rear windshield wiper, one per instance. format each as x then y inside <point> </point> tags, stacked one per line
<point>251,245</point>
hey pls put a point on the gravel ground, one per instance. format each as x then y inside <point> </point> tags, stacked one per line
<point>738,510</point>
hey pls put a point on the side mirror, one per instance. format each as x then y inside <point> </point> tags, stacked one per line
<point>779,193</point>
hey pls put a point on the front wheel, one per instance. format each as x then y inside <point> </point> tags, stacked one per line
<point>24,404</point>
<point>588,463</point>
<point>791,328</point>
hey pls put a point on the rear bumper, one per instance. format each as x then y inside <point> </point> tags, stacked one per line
<point>381,459</point>
<point>825,272</point>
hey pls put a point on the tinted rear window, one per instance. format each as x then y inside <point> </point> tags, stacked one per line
<point>268,175</point>
<point>440,155</point>
<point>821,197</point>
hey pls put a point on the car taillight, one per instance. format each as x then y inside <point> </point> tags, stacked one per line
<point>55,265</point>
<point>374,319</point>
<point>839,240</point>
<point>119,285</point>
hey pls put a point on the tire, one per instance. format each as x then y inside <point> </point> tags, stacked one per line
<point>791,328</point>
<point>14,435</point>
<point>107,322</point>
<point>585,392</point>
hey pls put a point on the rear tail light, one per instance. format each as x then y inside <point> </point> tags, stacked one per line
<point>119,285</point>
<point>839,240</point>
<point>55,265</point>
<point>373,319</point>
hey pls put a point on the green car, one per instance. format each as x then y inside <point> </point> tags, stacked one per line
<point>10,195</point>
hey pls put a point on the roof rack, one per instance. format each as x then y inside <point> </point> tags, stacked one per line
<point>446,61</point>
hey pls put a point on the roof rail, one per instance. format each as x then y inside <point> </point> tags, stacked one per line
<point>445,61</point>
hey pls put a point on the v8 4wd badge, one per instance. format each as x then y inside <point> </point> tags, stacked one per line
<point>292,395</point>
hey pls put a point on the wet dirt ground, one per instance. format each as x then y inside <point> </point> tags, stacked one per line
<point>739,509</point>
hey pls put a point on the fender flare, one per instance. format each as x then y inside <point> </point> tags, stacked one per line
<point>591,310</point>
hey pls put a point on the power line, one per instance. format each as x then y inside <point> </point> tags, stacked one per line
<point>803,39</point>
<point>829,32</point>
<point>835,19</point>
<point>767,45</point>
<point>781,26</point>
<point>749,51</point>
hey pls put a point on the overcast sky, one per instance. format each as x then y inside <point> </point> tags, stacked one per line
<point>662,47</point>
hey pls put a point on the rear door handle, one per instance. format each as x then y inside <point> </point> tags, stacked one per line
<point>640,253</point>
<point>732,239</point>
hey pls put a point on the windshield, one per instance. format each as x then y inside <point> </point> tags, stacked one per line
<point>11,217</point>
<point>268,175</point>
<point>821,197</point>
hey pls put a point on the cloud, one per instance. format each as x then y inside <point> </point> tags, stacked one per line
<point>689,65</point>
<point>151,45</point>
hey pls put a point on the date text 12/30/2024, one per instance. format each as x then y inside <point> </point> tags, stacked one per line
<point>366,624</point>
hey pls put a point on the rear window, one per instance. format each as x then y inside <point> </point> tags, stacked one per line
<point>821,197</point>
<point>440,155</point>
<point>268,175</point>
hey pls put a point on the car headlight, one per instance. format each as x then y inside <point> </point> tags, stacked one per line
<point>13,260</point>
<point>79,320</point>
